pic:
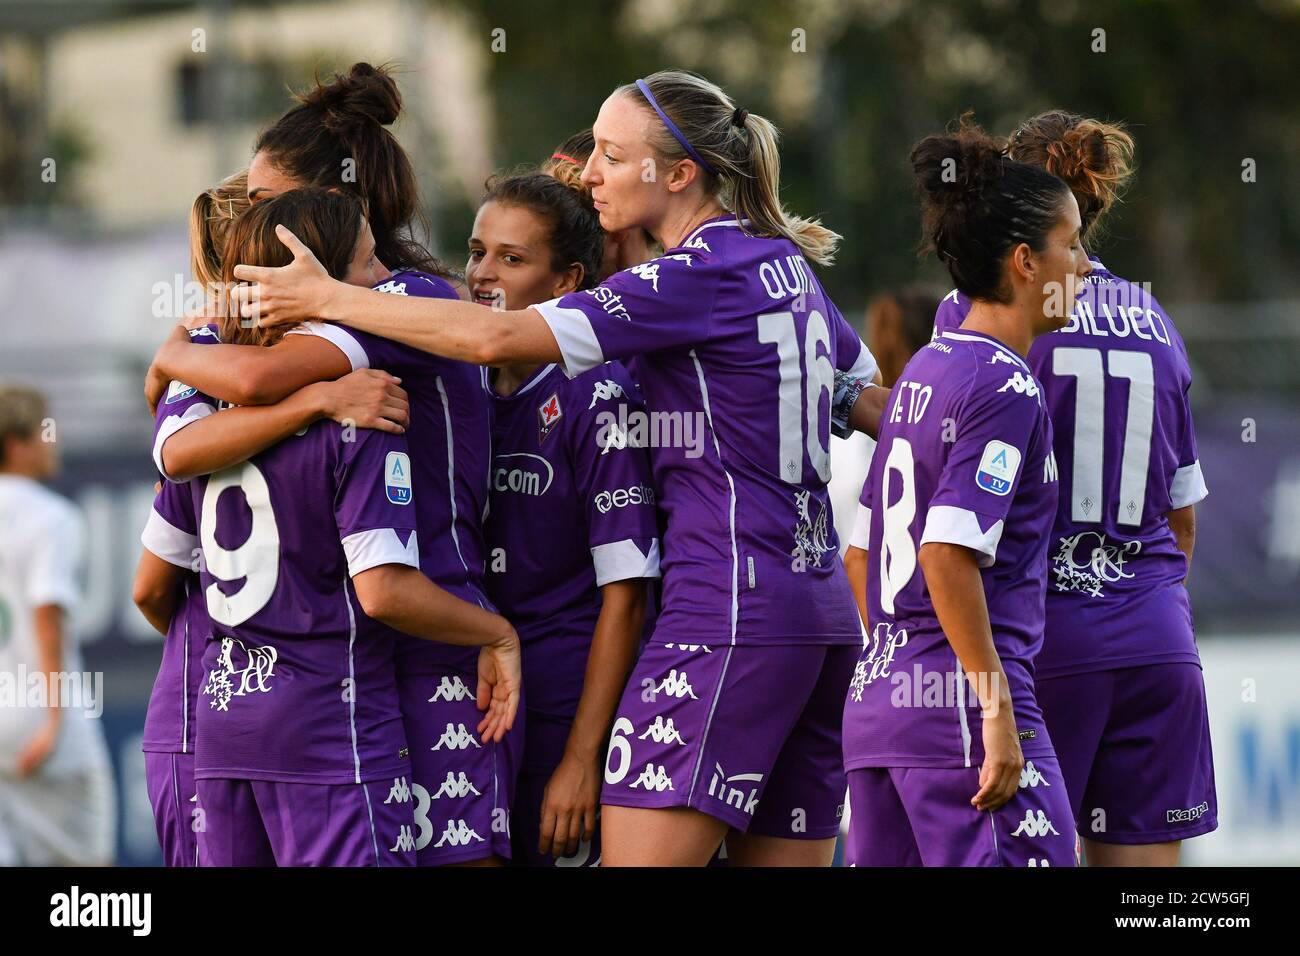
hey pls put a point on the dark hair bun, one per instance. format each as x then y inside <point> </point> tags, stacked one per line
<point>977,204</point>
<point>953,169</point>
<point>367,94</point>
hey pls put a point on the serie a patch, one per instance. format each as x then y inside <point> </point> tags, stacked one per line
<point>397,477</point>
<point>998,467</point>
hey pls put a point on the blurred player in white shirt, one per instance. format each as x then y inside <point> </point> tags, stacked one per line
<point>56,790</point>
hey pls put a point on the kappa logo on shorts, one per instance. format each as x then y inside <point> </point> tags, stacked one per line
<point>1187,815</point>
<point>692,648</point>
<point>399,792</point>
<point>1035,825</point>
<point>456,786</point>
<point>405,841</point>
<point>720,787</point>
<point>450,689</point>
<point>653,778</point>
<point>456,737</point>
<point>998,467</point>
<point>663,732</point>
<point>676,685</point>
<point>457,833</point>
<point>1031,776</point>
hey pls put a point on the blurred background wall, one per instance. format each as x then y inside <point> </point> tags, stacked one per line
<point>113,115</point>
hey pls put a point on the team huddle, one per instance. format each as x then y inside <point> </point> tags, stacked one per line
<point>536,564</point>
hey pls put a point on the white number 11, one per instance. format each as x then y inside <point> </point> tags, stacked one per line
<point>1090,430</point>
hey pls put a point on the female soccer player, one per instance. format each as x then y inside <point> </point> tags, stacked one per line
<point>462,784</point>
<point>623,249</point>
<point>737,347</point>
<point>572,530</point>
<point>961,492</point>
<point>166,582</point>
<point>1119,676</point>
<point>309,549</point>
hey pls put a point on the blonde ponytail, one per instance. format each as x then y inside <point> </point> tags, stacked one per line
<point>741,161</point>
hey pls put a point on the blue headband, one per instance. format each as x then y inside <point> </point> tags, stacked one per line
<point>672,127</point>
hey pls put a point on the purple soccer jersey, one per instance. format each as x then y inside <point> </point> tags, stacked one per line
<point>299,683</point>
<point>1116,382</point>
<point>964,457</point>
<point>450,440</point>
<point>738,348</point>
<point>172,534</point>
<point>573,508</point>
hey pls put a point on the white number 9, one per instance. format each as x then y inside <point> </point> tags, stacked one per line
<point>257,560</point>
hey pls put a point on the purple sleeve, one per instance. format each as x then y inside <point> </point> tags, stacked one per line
<point>951,313</point>
<point>860,535</point>
<point>1188,484</point>
<point>182,405</point>
<point>614,480</point>
<point>666,303</point>
<point>374,504</point>
<point>851,354</point>
<point>171,532</point>
<point>984,466</point>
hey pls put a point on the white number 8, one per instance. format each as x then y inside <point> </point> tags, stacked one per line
<point>257,560</point>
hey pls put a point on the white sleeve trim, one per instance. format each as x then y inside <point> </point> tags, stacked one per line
<point>623,561</point>
<point>170,426</point>
<point>345,341</point>
<point>865,366</point>
<point>579,347</point>
<point>951,525</point>
<point>1188,486</point>
<point>367,549</point>
<point>370,549</point>
<point>164,539</point>
<point>860,536</point>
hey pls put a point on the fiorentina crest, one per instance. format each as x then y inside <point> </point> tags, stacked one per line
<point>548,416</point>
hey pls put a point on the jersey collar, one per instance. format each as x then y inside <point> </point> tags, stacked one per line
<point>967,336</point>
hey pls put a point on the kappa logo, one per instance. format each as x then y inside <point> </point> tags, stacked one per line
<point>1031,776</point>
<point>392,287</point>
<point>998,467</point>
<point>227,681</point>
<point>604,391</point>
<point>690,647</point>
<point>1035,825</point>
<point>458,833</point>
<point>698,243</point>
<point>1021,385</point>
<point>456,786</point>
<point>405,841</point>
<point>549,414</point>
<point>456,737</point>
<point>653,778</point>
<point>397,477</point>
<point>1001,356</point>
<point>450,689</point>
<point>399,792</point>
<point>676,685</point>
<point>722,787</point>
<point>663,732</point>
<point>1187,815</point>
<point>650,270</point>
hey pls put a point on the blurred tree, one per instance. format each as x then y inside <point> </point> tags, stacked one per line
<point>1204,86</point>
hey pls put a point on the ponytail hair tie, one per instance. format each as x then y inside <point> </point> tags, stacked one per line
<point>739,116</point>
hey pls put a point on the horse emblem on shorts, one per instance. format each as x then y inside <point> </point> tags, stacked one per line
<point>227,681</point>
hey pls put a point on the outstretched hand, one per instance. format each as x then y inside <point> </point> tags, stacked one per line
<point>285,295</point>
